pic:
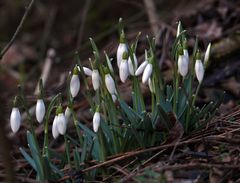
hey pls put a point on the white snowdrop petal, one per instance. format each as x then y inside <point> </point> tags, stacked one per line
<point>40,110</point>
<point>61,124</point>
<point>87,71</point>
<point>110,84</point>
<point>123,71</point>
<point>132,68</point>
<point>67,114</point>
<point>114,98</point>
<point>199,70</point>
<point>185,54</point>
<point>182,65</point>
<point>150,85</point>
<point>141,68</point>
<point>55,132</point>
<point>95,79</point>
<point>121,49</point>
<point>147,73</point>
<point>15,119</point>
<point>96,121</point>
<point>74,85</point>
<point>207,54</point>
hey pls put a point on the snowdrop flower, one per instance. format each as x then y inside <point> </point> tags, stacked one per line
<point>55,132</point>
<point>186,55</point>
<point>121,49</point>
<point>147,72</point>
<point>40,110</point>
<point>15,119</point>
<point>132,65</point>
<point>95,79</point>
<point>87,71</point>
<point>199,70</point>
<point>110,84</point>
<point>96,120</point>
<point>141,68</point>
<point>75,83</point>
<point>151,85</point>
<point>67,114</point>
<point>182,65</point>
<point>123,69</point>
<point>207,54</point>
<point>61,121</point>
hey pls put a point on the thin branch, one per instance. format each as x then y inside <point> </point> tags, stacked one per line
<point>5,49</point>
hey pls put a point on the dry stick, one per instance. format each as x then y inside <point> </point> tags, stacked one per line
<point>5,49</point>
<point>135,153</point>
<point>153,18</point>
<point>83,20</point>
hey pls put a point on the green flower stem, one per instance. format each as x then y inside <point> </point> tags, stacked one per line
<point>75,121</point>
<point>102,151</point>
<point>195,95</point>
<point>176,93</point>
<point>67,149</point>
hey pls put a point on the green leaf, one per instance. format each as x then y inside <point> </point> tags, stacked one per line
<point>28,158</point>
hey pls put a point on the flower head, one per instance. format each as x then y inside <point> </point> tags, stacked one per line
<point>199,70</point>
<point>61,121</point>
<point>110,84</point>
<point>121,49</point>
<point>67,114</point>
<point>132,65</point>
<point>123,69</point>
<point>182,65</point>
<point>40,110</point>
<point>96,120</point>
<point>95,79</point>
<point>147,73</point>
<point>15,119</point>
<point>75,83</point>
<point>55,132</point>
<point>207,54</point>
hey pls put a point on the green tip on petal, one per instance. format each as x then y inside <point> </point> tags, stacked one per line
<point>180,50</point>
<point>125,55</point>
<point>98,108</point>
<point>59,110</point>
<point>198,55</point>
<point>122,38</point>
<point>75,70</point>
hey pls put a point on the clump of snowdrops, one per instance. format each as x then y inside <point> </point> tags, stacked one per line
<point>117,126</point>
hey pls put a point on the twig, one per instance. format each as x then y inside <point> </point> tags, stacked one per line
<point>5,49</point>
<point>83,20</point>
<point>153,18</point>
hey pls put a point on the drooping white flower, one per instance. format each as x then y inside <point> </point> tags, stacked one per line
<point>55,132</point>
<point>151,86</point>
<point>74,84</point>
<point>182,65</point>
<point>87,71</point>
<point>141,68</point>
<point>96,121</point>
<point>95,79</point>
<point>110,84</point>
<point>147,73</point>
<point>15,119</point>
<point>207,54</point>
<point>61,123</point>
<point>40,110</point>
<point>67,114</point>
<point>199,70</point>
<point>123,71</point>
<point>121,49</point>
<point>132,65</point>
